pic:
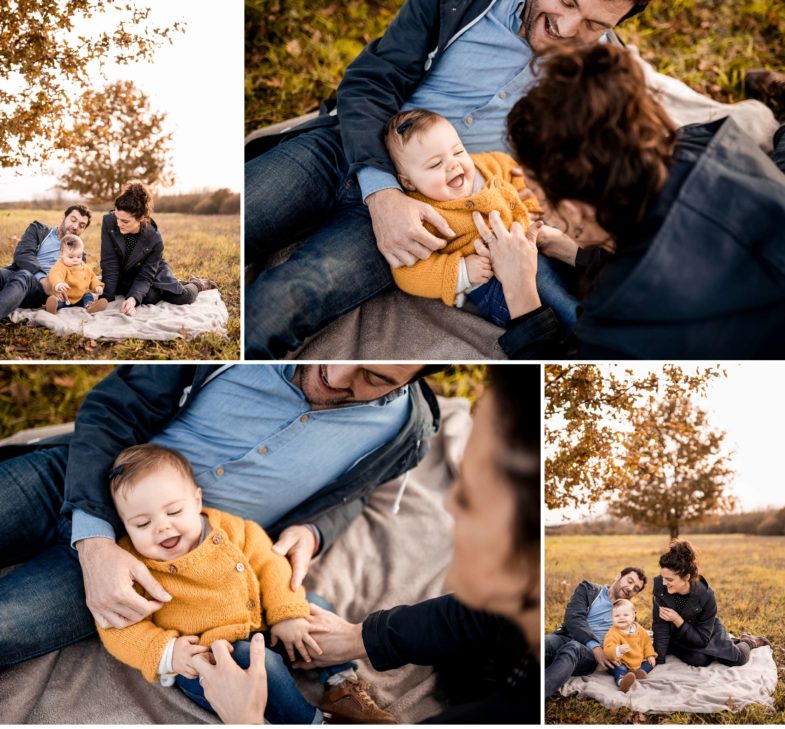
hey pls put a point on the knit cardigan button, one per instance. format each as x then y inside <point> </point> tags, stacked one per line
<point>172,569</point>
<point>239,566</point>
<point>250,604</point>
<point>469,204</point>
<point>217,539</point>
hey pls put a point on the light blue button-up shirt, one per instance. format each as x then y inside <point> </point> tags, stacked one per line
<point>474,84</point>
<point>48,252</point>
<point>258,450</point>
<point>599,617</point>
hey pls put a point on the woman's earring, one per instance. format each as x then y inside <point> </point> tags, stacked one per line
<point>578,231</point>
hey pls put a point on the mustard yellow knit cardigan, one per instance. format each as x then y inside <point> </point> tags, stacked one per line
<point>437,276</point>
<point>218,590</point>
<point>639,642</point>
<point>81,279</point>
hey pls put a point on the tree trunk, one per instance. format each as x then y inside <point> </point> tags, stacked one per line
<point>674,527</point>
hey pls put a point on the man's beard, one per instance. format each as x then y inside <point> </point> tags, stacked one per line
<point>529,17</point>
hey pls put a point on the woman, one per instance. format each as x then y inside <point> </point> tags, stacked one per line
<point>685,615</point>
<point>681,232</point>
<point>132,262</point>
<point>486,636</point>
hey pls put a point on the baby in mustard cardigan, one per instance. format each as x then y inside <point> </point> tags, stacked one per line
<point>433,167</point>
<point>72,278</point>
<point>224,578</point>
<point>628,641</point>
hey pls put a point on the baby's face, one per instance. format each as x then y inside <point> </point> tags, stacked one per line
<point>72,256</point>
<point>623,617</point>
<point>436,165</point>
<point>161,513</point>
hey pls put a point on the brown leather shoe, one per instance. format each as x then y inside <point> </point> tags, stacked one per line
<point>765,85</point>
<point>350,703</point>
<point>96,306</point>
<point>626,682</point>
<point>640,674</point>
<point>203,284</point>
<point>51,304</point>
<point>754,641</point>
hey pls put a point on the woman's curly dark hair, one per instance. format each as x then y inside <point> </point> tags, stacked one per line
<point>682,559</point>
<point>589,130</point>
<point>135,199</point>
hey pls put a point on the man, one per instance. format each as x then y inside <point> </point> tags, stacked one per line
<point>575,647</point>
<point>24,282</point>
<point>295,448</point>
<point>468,62</point>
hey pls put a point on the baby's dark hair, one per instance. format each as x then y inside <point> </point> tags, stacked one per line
<point>405,125</point>
<point>71,242</point>
<point>682,559</point>
<point>140,460</point>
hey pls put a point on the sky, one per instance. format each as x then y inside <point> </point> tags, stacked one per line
<point>749,405</point>
<point>198,82</point>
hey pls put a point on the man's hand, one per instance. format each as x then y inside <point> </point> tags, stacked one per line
<point>478,268</point>
<point>238,696</point>
<point>298,544</point>
<point>339,640</point>
<point>109,573</point>
<point>398,226</point>
<point>294,633</point>
<point>185,648</point>
<point>45,285</point>
<point>128,306</point>
<point>602,659</point>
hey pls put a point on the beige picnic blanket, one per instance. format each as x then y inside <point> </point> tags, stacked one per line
<point>675,686</point>
<point>160,321</point>
<point>382,560</point>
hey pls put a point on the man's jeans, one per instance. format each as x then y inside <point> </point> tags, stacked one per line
<point>565,657</point>
<point>19,289</point>
<point>301,188</point>
<point>42,601</point>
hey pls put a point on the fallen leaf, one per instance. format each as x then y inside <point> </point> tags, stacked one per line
<point>293,47</point>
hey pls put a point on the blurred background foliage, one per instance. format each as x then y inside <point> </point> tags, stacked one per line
<point>297,50</point>
<point>35,395</point>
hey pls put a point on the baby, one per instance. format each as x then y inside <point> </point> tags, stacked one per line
<point>225,582</point>
<point>629,642</point>
<point>434,167</point>
<point>73,278</point>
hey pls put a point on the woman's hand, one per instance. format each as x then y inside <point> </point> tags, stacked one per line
<point>294,633</point>
<point>554,243</point>
<point>340,640</point>
<point>238,696</point>
<point>128,307</point>
<point>671,616</point>
<point>514,260</point>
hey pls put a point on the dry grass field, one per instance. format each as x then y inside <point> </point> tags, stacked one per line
<point>747,574</point>
<point>201,245</point>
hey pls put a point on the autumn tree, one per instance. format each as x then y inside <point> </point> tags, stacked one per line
<point>49,53</point>
<point>116,137</point>
<point>676,466</point>
<point>587,413</point>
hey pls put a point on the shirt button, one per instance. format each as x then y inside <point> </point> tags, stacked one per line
<point>219,472</point>
<point>262,450</point>
<point>512,206</point>
<point>217,539</point>
<point>503,95</point>
<point>250,604</point>
<point>239,566</point>
<point>469,119</point>
<point>303,418</point>
<point>173,569</point>
<point>469,204</point>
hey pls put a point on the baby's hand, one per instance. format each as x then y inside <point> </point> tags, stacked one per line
<point>293,633</point>
<point>185,648</point>
<point>62,287</point>
<point>622,649</point>
<point>478,269</point>
<point>99,289</point>
<point>652,661</point>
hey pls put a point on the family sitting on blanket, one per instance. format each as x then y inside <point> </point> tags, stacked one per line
<point>599,622</point>
<point>132,263</point>
<point>294,449</point>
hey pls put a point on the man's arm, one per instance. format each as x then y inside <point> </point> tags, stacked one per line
<point>26,251</point>
<point>576,617</point>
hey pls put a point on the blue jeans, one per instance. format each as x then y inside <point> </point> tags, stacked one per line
<point>621,670</point>
<point>490,302</point>
<point>84,302</point>
<point>301,188</point>
<point>19,289</point>
<point>565,657</point>
<point>42,601</point>
<point>285,704</point>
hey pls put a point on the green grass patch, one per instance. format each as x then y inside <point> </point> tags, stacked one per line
<point>199,245</point>
<point>746,573</point>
